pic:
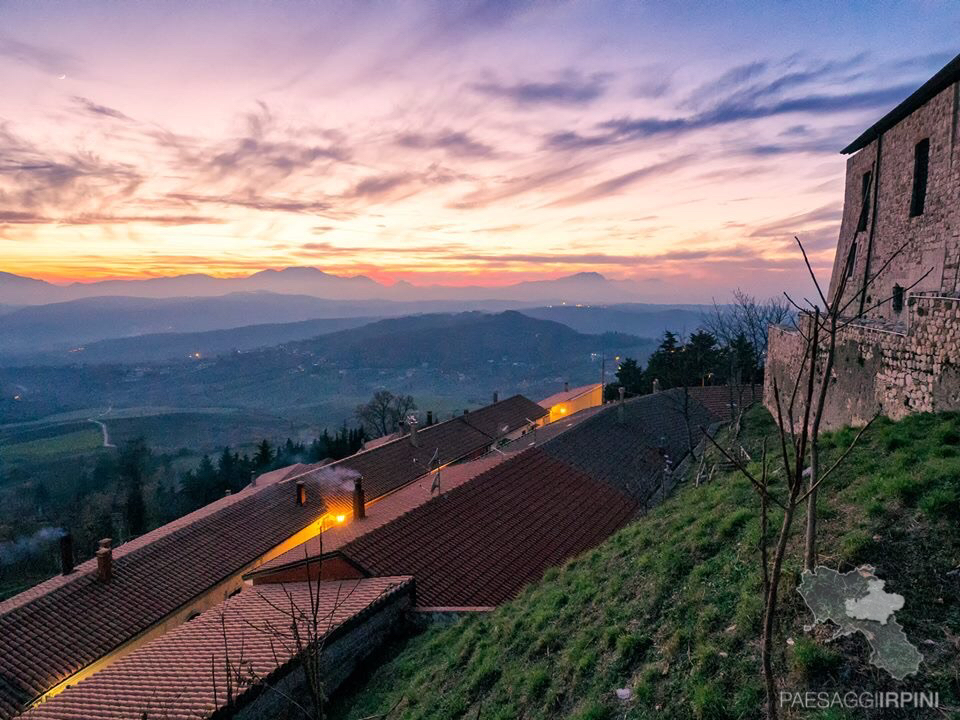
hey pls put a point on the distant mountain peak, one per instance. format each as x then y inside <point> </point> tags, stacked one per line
<point>586,275</point>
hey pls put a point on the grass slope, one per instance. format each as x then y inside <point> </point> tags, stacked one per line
<point>670,606</point>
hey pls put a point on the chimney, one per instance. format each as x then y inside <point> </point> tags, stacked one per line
<point>253,478</point>
<point>66,553</point>
<point>566,386</point>
<point>359,500</point>
<point>656,385</point>
<point>301,493</point>
<point>623,394</point>
<point>465,411</point>
<point>496,396</point>
<point>104,561</point>
<point>429,418</point>
<point>414,440</point>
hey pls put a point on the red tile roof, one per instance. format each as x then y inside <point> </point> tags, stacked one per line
<point>380,512</point>
<point>567,395</point>
<point>171,676</point>
<point>480,543</point>
<point>47,633</point>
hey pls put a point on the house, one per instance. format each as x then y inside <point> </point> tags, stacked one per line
<point>239,657</point>
<point>897,266</point>
<point>567,402</point>
<point>500,522</point>
<point>79,623</point>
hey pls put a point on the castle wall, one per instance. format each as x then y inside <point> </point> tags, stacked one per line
<point>895,372</point>
<point>933,238</point>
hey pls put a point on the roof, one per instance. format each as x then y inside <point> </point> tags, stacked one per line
<point>482,542</point>
<point>172,676</point>
<point>505,416</point>
<point>54,630</point>
<point>46,633</point>
<point>550,430</point>
<point>629,455</point>
<point>394,464</point>
<point>567,395</point>
<point>947,76</point>
<point>720,400</point>
<point>381,512</point>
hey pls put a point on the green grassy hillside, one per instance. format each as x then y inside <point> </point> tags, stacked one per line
<point>670,606</point>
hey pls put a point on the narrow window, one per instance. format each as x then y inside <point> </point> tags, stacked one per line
<point>897,299</point>
<point>851,259</point>
<point>864,202</point>
<point>921,161</point>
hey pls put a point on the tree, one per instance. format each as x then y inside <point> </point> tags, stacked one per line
<point>384,412</point>
<point>132,465</point>
<point>748,317</point>
<point>264,455</point>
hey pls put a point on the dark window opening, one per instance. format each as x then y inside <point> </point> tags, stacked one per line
<point>897,299</point>
<point>851,259</point>
<point>864,202</point>
<point>921,163</point>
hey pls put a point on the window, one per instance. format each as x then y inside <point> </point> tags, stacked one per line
<point>864,202</point>
<point>897,299</point>
<point>851,259</point>
<point>921,162</point>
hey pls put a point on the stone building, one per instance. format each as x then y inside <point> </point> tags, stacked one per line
<point>899,246</point>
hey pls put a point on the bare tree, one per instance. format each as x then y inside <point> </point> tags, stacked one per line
<point>750,317</point>
<point>384,412</point>
<point>798,416</point>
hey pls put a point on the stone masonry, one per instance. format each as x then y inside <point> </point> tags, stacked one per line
<point>902,352</point>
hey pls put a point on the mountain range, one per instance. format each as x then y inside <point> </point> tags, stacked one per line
<point>580,287</point>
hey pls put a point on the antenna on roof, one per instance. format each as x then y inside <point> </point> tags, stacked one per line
<point>435,462</point>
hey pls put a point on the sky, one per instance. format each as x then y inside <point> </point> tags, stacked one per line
<point>678,145</point>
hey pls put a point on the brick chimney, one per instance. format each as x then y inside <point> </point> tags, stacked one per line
<point>66,553</point>
<point>301,493</point>
<point>496,396</point>
<point>414,440</point>
<point>105,561</point>
<point>359,499</point>
<point>566,386</point>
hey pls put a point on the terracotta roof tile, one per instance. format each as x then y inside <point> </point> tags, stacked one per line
<point>171,676</point>
<point>480,543</point>
<point>382,511</point>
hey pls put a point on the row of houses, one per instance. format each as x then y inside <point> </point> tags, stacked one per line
<point>202,617</point>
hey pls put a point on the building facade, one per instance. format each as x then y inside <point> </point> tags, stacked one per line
<point>897,262</point>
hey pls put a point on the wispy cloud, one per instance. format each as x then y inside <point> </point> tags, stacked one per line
<point>571,88</point>
<point>456,143</point>
<point>92,108</point>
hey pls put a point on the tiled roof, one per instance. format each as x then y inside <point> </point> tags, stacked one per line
<point>398,462</point>
<point>719,400</point>
<point>505,416</point>
<point>60,626</point>
<point>383,511</point>
<point>550,430</point>
<point>171,677</point>
<point>567,395</point>
<point>629,454</point>
<point>480,543</point>
<point>74,620</point>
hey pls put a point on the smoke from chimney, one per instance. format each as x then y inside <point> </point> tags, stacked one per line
<point>66,553</point>
<point>359,499</point>
<point>105,561</point>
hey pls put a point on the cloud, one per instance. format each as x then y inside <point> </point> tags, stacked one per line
<point>380,185</point>
<point>620,130</point>
<point>40,58</point>
<point>92,108</point>
<point>614,185</point>
<point>24,218</point>
<point>570,89</point>
<point>512,187</point>
<point>254,201</point>
<point>456,143</point>
<point>794,224</point>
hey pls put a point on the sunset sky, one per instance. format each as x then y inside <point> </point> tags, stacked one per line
<point>678,145</point>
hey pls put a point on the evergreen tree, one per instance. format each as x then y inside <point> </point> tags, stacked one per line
<point>264,456</point>
<point>132,465</point>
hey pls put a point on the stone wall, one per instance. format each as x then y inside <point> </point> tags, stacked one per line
<point>896,370</point>
<point>932,239</point>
